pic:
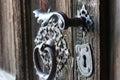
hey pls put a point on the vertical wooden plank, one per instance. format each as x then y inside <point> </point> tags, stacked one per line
<point>112,39</point>
<point>74,13</point>
<point>15,38</point>
<point>93,37</point>
<point>67,72</point>
<point>116,40</point>
<point>0,37</point>
<point>7,37</point>
<point>18,40</point>
<point>27,39</point>
<point>11,38</point>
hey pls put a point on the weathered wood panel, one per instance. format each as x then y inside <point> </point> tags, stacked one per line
<point>71,72</point>
<point>11,38</point>
<point>16,47</point>
<point>115,39</point>
<point>67,72</point>
<point>92,37</point>
<point>0,39</point>
<point>7,37</point>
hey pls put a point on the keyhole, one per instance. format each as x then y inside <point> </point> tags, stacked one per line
<point>84,57</point>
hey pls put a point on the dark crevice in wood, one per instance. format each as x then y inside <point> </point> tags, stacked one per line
<point>104,40</point>
<point>27,38</point>
<point>22,10</point>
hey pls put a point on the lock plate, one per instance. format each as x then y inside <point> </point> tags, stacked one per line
<point>84,59</point>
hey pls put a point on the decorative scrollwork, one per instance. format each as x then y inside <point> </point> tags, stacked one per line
<point>51,52</point>
<point>50,30</point>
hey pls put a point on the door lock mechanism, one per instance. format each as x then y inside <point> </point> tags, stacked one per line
<point>84,59</point>
<point>51,52</point>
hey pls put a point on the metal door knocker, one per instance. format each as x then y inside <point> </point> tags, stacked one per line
<point>51,52</point>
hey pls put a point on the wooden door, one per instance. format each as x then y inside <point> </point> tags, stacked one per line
<point>93,38</point>
<point>72,35</point>
<point>18,29</point>
<point>15,40</point>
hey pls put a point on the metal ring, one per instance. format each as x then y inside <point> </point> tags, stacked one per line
<point>37,64</point>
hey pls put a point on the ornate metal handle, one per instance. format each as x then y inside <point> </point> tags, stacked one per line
<point>51,52</point>
<point>83,19</point>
